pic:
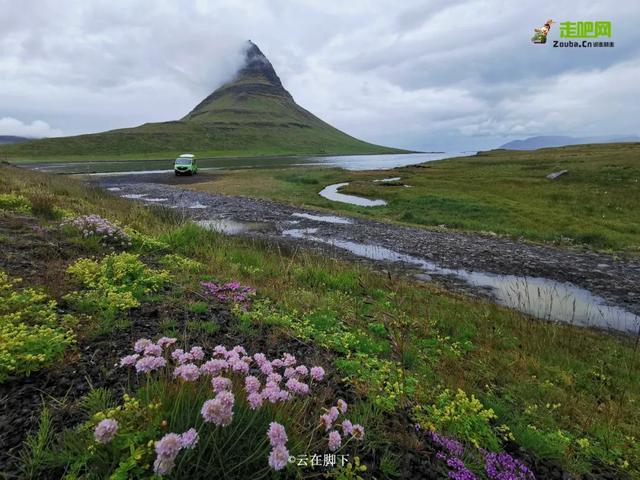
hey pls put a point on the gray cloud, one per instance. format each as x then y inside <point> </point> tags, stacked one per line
<point>437,74</point>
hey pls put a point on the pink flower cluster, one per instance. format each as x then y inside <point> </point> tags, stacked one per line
<point>329,421</point>
<point>96,226</point>
<point>279,456</point>
<point>231,292</point>
<point>168,447</point>
<point>263,380</point>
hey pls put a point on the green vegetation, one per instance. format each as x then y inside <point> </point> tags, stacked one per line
<point>561,392</point>
<point>505,192</point>
<point>32,332</point>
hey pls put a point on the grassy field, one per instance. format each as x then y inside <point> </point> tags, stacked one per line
<point>506,192</point>
<point>568,395</point>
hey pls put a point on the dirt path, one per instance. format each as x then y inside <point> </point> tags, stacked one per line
<point>518,274</point>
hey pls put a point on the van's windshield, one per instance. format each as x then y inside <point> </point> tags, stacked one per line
<point>183,161</point>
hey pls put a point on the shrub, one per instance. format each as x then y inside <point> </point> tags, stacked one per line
<point>178,263</point>
<point>197,418</point>
<point>14,202</point>
<point>145,243</point>
<point>462,416</point>
<point>32,332</point>
<point>114,284</point>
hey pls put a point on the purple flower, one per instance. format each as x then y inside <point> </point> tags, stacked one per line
<point>219,410</point>
<point>266,368</point>
<point>278,458</point>
<point>241,367</point>
<point>141,344</point>
<point>153,349</point>
<point>251,384</point>
<point>197,353</point>
<point>220,350</point>
<point>297,387</point>
<point>302,370</point>
<point>342,406</point>
<point>189,439</point>
<point>289,372</point>
<point>288,360</point>
<point>220,383</point>
<point>335,440</point>
<point>502,466</point>
<point>327,421</point>
<point>163,466</point>
<point>187,372</point>
<point>214,367</point>
<point>129,360</point>
<point>255,400</point>
<point>277,434</point>
<point>333,414</point>
<point>105,430</point>
<point>347,427</point>
<point>260,358</point>
<point>149,364</point>
<point>169,445</point>
<point>317,373</point>
<point>166,341</point>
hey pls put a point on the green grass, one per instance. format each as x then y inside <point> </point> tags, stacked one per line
<point>400,344</point>
<point>505,192</point>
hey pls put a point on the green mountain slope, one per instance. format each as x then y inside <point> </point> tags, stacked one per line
<point>251,115</point>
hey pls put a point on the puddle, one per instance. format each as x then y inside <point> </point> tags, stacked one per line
<point>114,189</point>
<point>323,218</point>
<point>540,297</point>
<point>331,193</point>
<point>130,172</point>
<point>197,205</point>
<point>229,226</point>
<point>134,195</point>
<point>390,179</point>
<point>156,200</point>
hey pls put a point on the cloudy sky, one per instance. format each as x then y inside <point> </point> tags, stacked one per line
<point>430,75</point>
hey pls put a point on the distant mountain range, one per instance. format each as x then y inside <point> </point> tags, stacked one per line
<point>533,143</point>
<point>6,139</point>
<point>253,114</point>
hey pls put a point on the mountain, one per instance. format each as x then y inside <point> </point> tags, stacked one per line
<point>533,143</point>
<point>253,114</point>
<point>6,139</point>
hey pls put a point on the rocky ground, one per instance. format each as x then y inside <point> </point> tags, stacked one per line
<point>613,279</point>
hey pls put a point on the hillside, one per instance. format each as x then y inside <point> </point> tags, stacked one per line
<point>533,143</point>
<point>251,115</point>
<point>6,139</point>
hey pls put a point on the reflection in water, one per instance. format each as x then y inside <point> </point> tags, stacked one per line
<point>229,226</point>
<point>331,193</point>
<point>536,296</point>
<point>323,218</point>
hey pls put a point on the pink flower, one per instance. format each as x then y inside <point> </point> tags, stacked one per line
<point>255,400</point>
<point>260,358</point>
<point>289,372</point>
<point>105,430</point>
<point>239,349</point>
<point>141,344</point>
<point>219,410</point>
<point>251,384</point>
<point>297,387</point>
<point>266,368</point>
<point>328,422</point>
<point>153,349</point>
<point>317,373</point>
<point>342,406</point>
<point>187,372</point>
<point>241,367</point>
<point>333,414</point>
<point>288,360</point>
<point>272,393</point>
<point>335,440</point>
<point>358,432</point>
<point>166,341</point>
<point>274,378</point>
<point>129,360</point>
<point>185,358</point>
<point>277,434</point>
<point>177,353</point>
<point>277,363</point>
<point>347,427</point>
<point>220,350</point>
<point>278,458</point>
<point>214,367</point>
<point>197,353</point>
<point>220,383</point>
<point>169,446</point>
<point>189,439</point>
<point>148,364</point>
<point>302,370</point>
